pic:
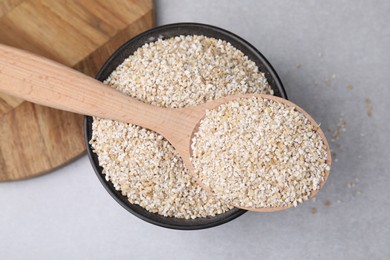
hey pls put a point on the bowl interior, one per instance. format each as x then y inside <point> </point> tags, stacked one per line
<point>164,32</point>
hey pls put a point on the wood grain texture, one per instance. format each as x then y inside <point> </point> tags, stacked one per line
<point>79,34</point>
<point>7,103</point>
<point>7,5</point>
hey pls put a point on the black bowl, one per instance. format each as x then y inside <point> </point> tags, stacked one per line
<point>163,32</point>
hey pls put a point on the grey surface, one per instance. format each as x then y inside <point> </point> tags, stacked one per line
<point>68,215</point>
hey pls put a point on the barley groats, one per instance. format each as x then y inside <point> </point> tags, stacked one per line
<point>177,72</point>
<point>259,153</point>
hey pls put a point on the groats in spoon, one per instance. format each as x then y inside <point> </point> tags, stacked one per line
<point>51,84</point>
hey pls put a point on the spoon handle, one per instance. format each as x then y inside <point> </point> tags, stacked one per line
<point>45,82</point>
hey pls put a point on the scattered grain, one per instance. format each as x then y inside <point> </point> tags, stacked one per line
<point>368,107</point>
<point>327,203</point>
<point>341,127</point>
<point>328,82</point>
<point>313,210</point>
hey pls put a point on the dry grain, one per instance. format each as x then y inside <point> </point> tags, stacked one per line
<point>177,72</point>
<point>368,104</point>
<point>255,152</point>
<point>341,127</point>
<point>327,203</point>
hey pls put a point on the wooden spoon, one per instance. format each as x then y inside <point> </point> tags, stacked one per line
<point>48,83</point>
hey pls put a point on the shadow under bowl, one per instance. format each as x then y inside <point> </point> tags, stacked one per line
<point>127,49</point>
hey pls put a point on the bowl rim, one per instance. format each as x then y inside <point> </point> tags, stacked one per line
<point>93,158</point>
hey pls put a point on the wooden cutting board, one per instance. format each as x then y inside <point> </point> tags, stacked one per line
<point>81,34</point>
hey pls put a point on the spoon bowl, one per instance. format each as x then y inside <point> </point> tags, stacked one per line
<point>316,127</point>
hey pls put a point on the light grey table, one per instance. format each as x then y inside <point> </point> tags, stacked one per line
<point>334,60</point>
